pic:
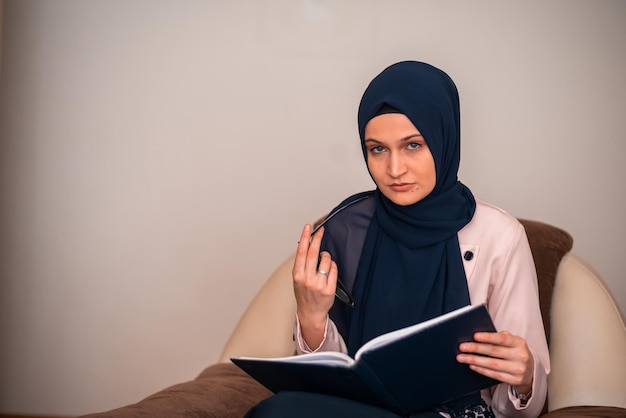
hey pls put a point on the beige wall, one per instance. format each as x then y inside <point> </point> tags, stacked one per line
<point>158,159</point>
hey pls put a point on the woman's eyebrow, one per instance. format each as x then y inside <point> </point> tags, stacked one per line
<point>408,138</point>
<point>405,139</point>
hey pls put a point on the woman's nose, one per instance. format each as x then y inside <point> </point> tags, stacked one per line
<point>396,165</point>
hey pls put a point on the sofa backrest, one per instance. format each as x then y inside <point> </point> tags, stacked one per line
<point>548,244</point>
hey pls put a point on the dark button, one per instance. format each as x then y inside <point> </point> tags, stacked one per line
<point>468,255</point>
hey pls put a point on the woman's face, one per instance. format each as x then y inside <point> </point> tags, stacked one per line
<point>399,159</point>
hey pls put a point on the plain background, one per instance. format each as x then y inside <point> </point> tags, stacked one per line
<point>159,158</point>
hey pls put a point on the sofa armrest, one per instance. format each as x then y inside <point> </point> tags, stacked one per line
<point>588,340</point>
<point>266,327</point>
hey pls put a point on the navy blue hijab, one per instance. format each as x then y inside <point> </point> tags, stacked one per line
<point>410,269</point>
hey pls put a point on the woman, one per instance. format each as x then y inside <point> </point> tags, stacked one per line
<point>418,246</point>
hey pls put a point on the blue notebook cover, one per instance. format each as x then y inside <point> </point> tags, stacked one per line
<point>406,371</point>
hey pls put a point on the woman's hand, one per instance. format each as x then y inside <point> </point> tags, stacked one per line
<point>314,289</point>
<point>501,356</point>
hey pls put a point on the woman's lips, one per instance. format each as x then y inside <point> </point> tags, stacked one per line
<point>401,187</point>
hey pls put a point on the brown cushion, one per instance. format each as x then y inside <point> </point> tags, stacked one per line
<point>548,244</point>
<point>587,412</point>
<point>222,390</point>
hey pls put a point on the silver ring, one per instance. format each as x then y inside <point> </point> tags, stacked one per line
<point>325,273</point>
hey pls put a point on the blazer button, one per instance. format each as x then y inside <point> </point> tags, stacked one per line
<point>468,255</point>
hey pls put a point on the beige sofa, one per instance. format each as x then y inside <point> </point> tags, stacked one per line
<point>585,329</point>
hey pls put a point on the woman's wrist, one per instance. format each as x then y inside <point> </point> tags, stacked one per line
<point>312,321</point>
<point>312,330</point>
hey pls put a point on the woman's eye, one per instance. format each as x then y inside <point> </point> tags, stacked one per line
<point>377,150</point>
<point>413,146</point>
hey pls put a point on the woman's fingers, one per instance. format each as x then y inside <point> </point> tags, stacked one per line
<point>324,264</point>
<point>493,344</point>
<point>332,281</point>
<point>313,253</point>
<point>501,355</point>
<point>308,255</point>
<point>301,252</point>
<point>314,275</point>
